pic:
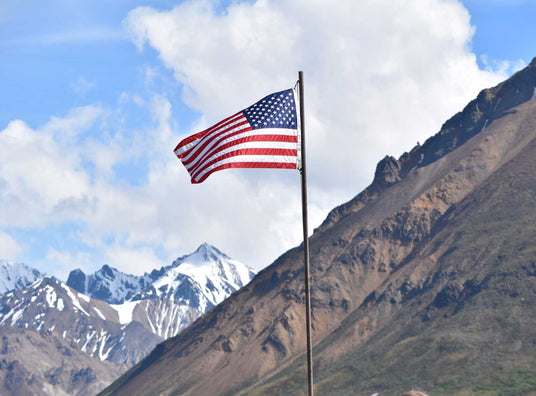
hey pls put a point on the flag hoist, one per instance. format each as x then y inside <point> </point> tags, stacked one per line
<point>267,134</point>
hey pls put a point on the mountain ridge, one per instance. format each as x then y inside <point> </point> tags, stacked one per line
<point>453,133</point>
<point>369,271</point>
<point>223,275</point>
<point>106,337</point>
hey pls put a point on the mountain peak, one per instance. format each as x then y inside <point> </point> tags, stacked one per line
<point>16,276</point>
<point>44,281</point>
<point>108,271</point>
<point>108,284</point>
<point>209,252</point>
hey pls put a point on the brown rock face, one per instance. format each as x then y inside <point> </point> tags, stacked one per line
<point>426,278</point>
<point>33,363</point>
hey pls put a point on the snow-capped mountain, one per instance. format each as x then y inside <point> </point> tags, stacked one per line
<point>90,325</point>
<point>110,317</point>
<point>167,300</point>
<point>201,279</point>
<point>99,312</point>
<point>108,284</point>
<point>14,276</point>
<point>197,281</point>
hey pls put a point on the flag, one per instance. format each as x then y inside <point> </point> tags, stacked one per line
<point>264,135</point>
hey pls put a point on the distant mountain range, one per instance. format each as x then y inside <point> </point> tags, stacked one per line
<point>201,280</point>
<point>113,318</point>
<point>427,279</point>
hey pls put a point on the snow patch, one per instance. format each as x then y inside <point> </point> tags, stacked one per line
<point>497,104</point>
<point>50,296</point>
<point>213,274</point>
<point>125,311</point>
<point>73,298</point>
<point>88,339</point>
<point>16,316</point>
<point>83,297</point>
<point>99,313</point>
<point>420,161</point>
<point>485,125</point>
<point>534,94</point>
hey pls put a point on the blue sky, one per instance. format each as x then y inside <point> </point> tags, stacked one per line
<point>503,28</point>
<point>95,95</point>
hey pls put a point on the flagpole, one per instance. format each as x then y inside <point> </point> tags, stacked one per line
<point>305,243</point>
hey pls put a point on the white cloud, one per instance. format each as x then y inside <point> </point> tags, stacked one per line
<point>502,66</point>
<point>39,176</point>
<point>60,263</point>
<point>379,77</point>
<point>374,85</point>
<point>9,248</point>
<point>133,261</point>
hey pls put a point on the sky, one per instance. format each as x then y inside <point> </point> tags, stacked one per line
<point>95,95</point>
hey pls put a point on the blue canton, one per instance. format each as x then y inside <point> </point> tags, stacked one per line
<point>277,110</point>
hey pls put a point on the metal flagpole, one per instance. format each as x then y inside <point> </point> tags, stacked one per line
<point>305,243</point>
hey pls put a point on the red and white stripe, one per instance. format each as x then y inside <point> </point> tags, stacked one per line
<point>233,143</point>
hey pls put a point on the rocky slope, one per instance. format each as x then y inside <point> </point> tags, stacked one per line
<point>92,326</point>
<point>63,370</point>
<point>426,278</point>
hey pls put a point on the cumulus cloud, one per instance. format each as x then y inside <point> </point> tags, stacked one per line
<point>61,262</point>
<point>9,248</point>
<point>379,76</point>
<point>374,85</point>
<point>37,175</point>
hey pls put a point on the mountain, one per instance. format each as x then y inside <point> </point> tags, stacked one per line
<point>80,342</point>
<point>169,299</point>
<point>89,325</point>
<point>427,278</point>
<point>202,279</point>
<point>107,284</point>
<point>84,342</point>
<point>14,276</point>
<point>41,363</point>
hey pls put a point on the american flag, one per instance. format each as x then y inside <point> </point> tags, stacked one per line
<point>264,135</point>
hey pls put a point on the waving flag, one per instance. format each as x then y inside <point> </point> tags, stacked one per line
<point>264,135</point>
